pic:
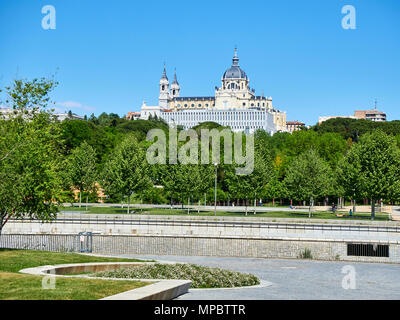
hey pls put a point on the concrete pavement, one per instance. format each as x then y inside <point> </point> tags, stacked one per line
<point>298,279</point>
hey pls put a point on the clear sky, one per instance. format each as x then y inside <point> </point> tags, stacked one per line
<point>108,55</point>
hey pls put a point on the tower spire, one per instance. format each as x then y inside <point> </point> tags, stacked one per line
<point>175,80</point>
<point>235,60</point>
<point>164,75</point>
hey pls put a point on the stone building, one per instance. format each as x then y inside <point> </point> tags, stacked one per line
<point>234,104</point>
<point>373,115</point>
<point>292,126</point>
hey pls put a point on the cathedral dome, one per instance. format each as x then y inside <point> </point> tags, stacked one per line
<point>235,72</point>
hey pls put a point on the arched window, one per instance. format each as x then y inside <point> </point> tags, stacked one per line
<point>163,88</point>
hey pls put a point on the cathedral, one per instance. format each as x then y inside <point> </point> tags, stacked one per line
<point>234,104</point>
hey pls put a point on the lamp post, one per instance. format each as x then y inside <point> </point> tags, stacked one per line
<point>215,193</point>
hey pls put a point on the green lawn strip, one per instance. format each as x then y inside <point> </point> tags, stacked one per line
<point>194,212</point>
<point>14,286</point>
<point>15,260</point>
<point>17,286</point>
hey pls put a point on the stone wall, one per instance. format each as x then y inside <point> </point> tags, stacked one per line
<point>197,246</point>
<point>226,228</point>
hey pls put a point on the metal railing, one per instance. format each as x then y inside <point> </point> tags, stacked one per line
<point>46,242</point>
<point>131,220</point>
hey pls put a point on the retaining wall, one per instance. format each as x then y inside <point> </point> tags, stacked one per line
<point>199,246</point>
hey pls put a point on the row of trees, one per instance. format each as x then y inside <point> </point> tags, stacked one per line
<point>368,169</point>
<point>42,159</point>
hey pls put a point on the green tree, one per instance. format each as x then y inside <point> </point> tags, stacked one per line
<point>102,139</point>
<point>182,181</point>
<point>127,171</point>
<point>372,168</point>
<point>348,174</point>
<point>29,157</point>
<point>308,177</point>
<point>274,189</point>
<point>252,185</point>
<point>81,170</point>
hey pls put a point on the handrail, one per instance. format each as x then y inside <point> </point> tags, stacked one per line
<point>208,223</point>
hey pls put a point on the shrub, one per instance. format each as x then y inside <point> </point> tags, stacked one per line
<point>201,277</point>
<point>306,254</point>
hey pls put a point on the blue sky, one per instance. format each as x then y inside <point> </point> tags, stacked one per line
<point>108,55</point>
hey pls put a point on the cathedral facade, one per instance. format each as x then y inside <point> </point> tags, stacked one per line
<point>234,104</point>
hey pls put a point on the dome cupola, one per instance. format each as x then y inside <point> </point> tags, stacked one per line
<point>235,72</point>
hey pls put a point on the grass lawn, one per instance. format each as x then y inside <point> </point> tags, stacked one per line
<point>17,286</point>
<point>194,212</point>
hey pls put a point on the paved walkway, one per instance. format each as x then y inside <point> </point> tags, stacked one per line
<point>297,279</point>
<point>242,208</point>
<point>396,213</point>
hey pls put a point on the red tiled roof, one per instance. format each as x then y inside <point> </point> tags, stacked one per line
<point>294,123</point>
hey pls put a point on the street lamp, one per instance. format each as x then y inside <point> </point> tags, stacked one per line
<point>215,193</point>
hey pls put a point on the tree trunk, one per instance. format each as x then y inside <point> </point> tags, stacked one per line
<point>354,206</point>
<point>246,206</point>
<point>129,201</point>
<point>255,205</point>
<point>372,209</point>
<point>87,200</point>
<point>80,198</point>
<point>188,206</point>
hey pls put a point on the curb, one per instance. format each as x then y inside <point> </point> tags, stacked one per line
<point>160,290</point>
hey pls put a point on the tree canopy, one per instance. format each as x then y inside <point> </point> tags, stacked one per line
<point>29,154</point>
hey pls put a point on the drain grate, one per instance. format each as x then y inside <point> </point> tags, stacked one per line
<point>367,250</point>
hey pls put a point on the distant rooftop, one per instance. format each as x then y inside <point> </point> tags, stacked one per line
<point>295,123</point>
<point>193,98</point>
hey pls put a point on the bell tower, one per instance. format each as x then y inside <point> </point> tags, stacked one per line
<point>175,88</point>
<point>164,96</point>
